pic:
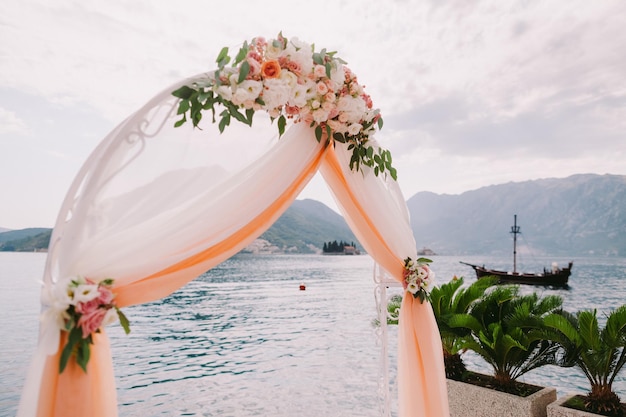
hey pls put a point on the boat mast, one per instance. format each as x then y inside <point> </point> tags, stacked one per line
<point>515,230</point>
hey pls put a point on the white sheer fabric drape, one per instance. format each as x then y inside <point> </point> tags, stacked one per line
<point>152,196</point>
<point>155,206</point>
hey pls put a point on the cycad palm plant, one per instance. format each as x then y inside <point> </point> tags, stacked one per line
<point>506,331</point>
<point>448,300</point>
<point>599,353</point>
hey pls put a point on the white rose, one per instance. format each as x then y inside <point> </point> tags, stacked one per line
<point>320,115</point>
<point>253,88</point>
<point>272,51</point>
<point>276,93</point>
<point>290,78</point>
<point>301,53</point>
<point>225,92</point>
<point>298,96</point>
<point>354,129</point>
<point>353,108</point>
<point>247,91</point>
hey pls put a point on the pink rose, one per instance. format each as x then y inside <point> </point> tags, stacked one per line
<point>292,110</point>
<point>87,307</point>
<point>106,296</point>
<point>90,322</point>
<point>294,67</point>
<point>321,88</point>
<point>319,71</point>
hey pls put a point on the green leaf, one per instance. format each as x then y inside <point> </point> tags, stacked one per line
<point>83,353</point>
<point>196,117</point>
<point>243,52</point>
<point>183,106</point>
<point>65,355</point>
<point>317,58</point>
<point>123,320</point>
<point>243,71</point>
<point>249,116</point>
<point>282,122</point>
<point>225,121</point>
<point>183,92</point>
<point>180,122</point>
<point>223,56</point>
<point>339,137</point>
<point>318,133</point>
<point>328,69</point>
<point>75,337</point>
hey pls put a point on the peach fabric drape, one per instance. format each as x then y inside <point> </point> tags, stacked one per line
<point>377,213</point>
<point>156,206</point>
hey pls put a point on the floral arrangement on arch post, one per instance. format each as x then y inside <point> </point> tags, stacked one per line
<point>289,80</point>
<point>418,278</point>
<point>81,307</point>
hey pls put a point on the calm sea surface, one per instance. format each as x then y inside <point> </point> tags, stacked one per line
<point>242,340</point>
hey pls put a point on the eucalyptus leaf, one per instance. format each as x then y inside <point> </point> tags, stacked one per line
<point>243,52</point>
<point>223,57</point>
<point>244,70</point>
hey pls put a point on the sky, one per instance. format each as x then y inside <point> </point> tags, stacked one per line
<point>473,93</point>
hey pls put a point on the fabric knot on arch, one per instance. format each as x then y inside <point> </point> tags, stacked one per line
<point>176,189</point>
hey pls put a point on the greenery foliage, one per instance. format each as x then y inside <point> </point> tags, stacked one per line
<point>451,299</point>
<point>213,95</point>
<point>600,353</point>
<point>506,331</point>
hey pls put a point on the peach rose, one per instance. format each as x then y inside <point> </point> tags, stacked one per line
<point>270,69</point>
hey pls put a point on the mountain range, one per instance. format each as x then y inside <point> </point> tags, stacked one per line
<point>581,215</point>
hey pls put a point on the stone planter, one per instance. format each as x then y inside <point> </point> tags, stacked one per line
<point>556,409</point>
<point>468,400</point>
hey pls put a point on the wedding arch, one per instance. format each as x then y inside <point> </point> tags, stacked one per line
<point>163,198</point>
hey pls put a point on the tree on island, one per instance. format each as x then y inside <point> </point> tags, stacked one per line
<point>336,247</point>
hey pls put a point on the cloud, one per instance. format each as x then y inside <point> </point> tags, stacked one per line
<point>10,123</point>
<point>472,93</point>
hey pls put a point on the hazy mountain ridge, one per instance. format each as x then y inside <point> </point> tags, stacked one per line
<point>581,215</point>
<point>577,216</point>
<point>303,228</point>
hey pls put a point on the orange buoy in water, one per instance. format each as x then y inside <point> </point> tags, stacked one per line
<point>302,286</point>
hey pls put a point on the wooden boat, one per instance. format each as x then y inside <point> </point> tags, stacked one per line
<point>555,277</point>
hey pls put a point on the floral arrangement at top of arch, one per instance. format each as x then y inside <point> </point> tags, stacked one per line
<point>289,80</point>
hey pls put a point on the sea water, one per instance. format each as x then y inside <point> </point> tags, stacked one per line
<point>244,340</point>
